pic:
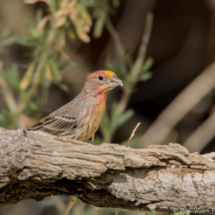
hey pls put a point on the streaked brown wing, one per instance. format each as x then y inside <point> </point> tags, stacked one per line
<point>55,124</point>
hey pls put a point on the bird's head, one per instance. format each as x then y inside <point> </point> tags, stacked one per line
<point>102,82</point>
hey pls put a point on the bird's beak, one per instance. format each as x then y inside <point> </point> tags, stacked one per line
<point>116,80</point>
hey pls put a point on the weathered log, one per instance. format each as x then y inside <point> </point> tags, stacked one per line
<point>107,175</point>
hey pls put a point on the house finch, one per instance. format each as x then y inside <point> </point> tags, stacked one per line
<point>80,118</point>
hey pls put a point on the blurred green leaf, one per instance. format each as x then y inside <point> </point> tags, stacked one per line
<point>25,82</point>
<point>33,105</point>
<point>108,64</point>
<point>147,65</point>
<point>66,63</point>
<point>39,15</point>
<point>125,116</point>
<point>130,62</point>
<point>62,86</point>
<point>12,72</point>
<point>54,4</point>
<point>6,119</point>
<point>115,3</point>
<point>145,76</point>
<point>118,119</point>
<point>24,42</point>
<point>5,40</point>
<point>46,82</point>
<point>99,25</point>
<point>71,34</point>
<point>47,72</point>
<point>9,41</point>
<point>31,30</point>
<point>55,71</point>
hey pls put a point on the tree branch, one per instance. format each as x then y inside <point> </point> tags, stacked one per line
<point>109,175</point>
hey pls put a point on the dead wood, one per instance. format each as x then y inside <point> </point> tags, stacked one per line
<point>107,175</point>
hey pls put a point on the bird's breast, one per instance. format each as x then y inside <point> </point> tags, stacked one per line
<point>97,114</point>
<point>91,121</point>
<point>100,108</point>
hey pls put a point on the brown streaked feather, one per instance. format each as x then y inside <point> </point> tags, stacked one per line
<point>55,124</point>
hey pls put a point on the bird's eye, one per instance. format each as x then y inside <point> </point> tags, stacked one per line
<point>100,77</point>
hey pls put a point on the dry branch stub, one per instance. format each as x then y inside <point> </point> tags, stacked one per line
<point>108,175</point>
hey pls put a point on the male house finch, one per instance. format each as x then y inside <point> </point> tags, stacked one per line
<point>80,118</point>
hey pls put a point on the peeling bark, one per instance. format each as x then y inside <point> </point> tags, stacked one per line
<point>109,175</point>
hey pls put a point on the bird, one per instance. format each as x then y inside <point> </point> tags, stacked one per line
<point>81,117</point>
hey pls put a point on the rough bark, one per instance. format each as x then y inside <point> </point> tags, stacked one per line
<point>107,175</point>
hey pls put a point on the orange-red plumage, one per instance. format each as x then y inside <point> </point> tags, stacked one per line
<point>80,118</point>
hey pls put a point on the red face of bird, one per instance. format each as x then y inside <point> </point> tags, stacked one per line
<point>102,82</point>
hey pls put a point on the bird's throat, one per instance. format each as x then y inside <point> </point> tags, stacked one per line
<point>102,97</point>
<point>102,102</point>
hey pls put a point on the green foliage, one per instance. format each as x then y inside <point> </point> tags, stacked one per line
<point>7,119</point>
<point>99,25</point>
<point>5,40</point>
<point>100,13</point>
<point>12,72</point>
<point>144,72</point>
<point>115,3</point>
<point>147,65</point>
<point>66,63</point>
<point>118,118</point>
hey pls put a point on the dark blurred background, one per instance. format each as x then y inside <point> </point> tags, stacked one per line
<point>172,95</point>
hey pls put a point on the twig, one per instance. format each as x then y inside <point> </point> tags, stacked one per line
<point>143,46</point>
<point>118,45</point>
<point>133,133</point>
<point>69,207</point>
<point>92,139</point>
<point>116,212</point>
<point>138,63</point>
